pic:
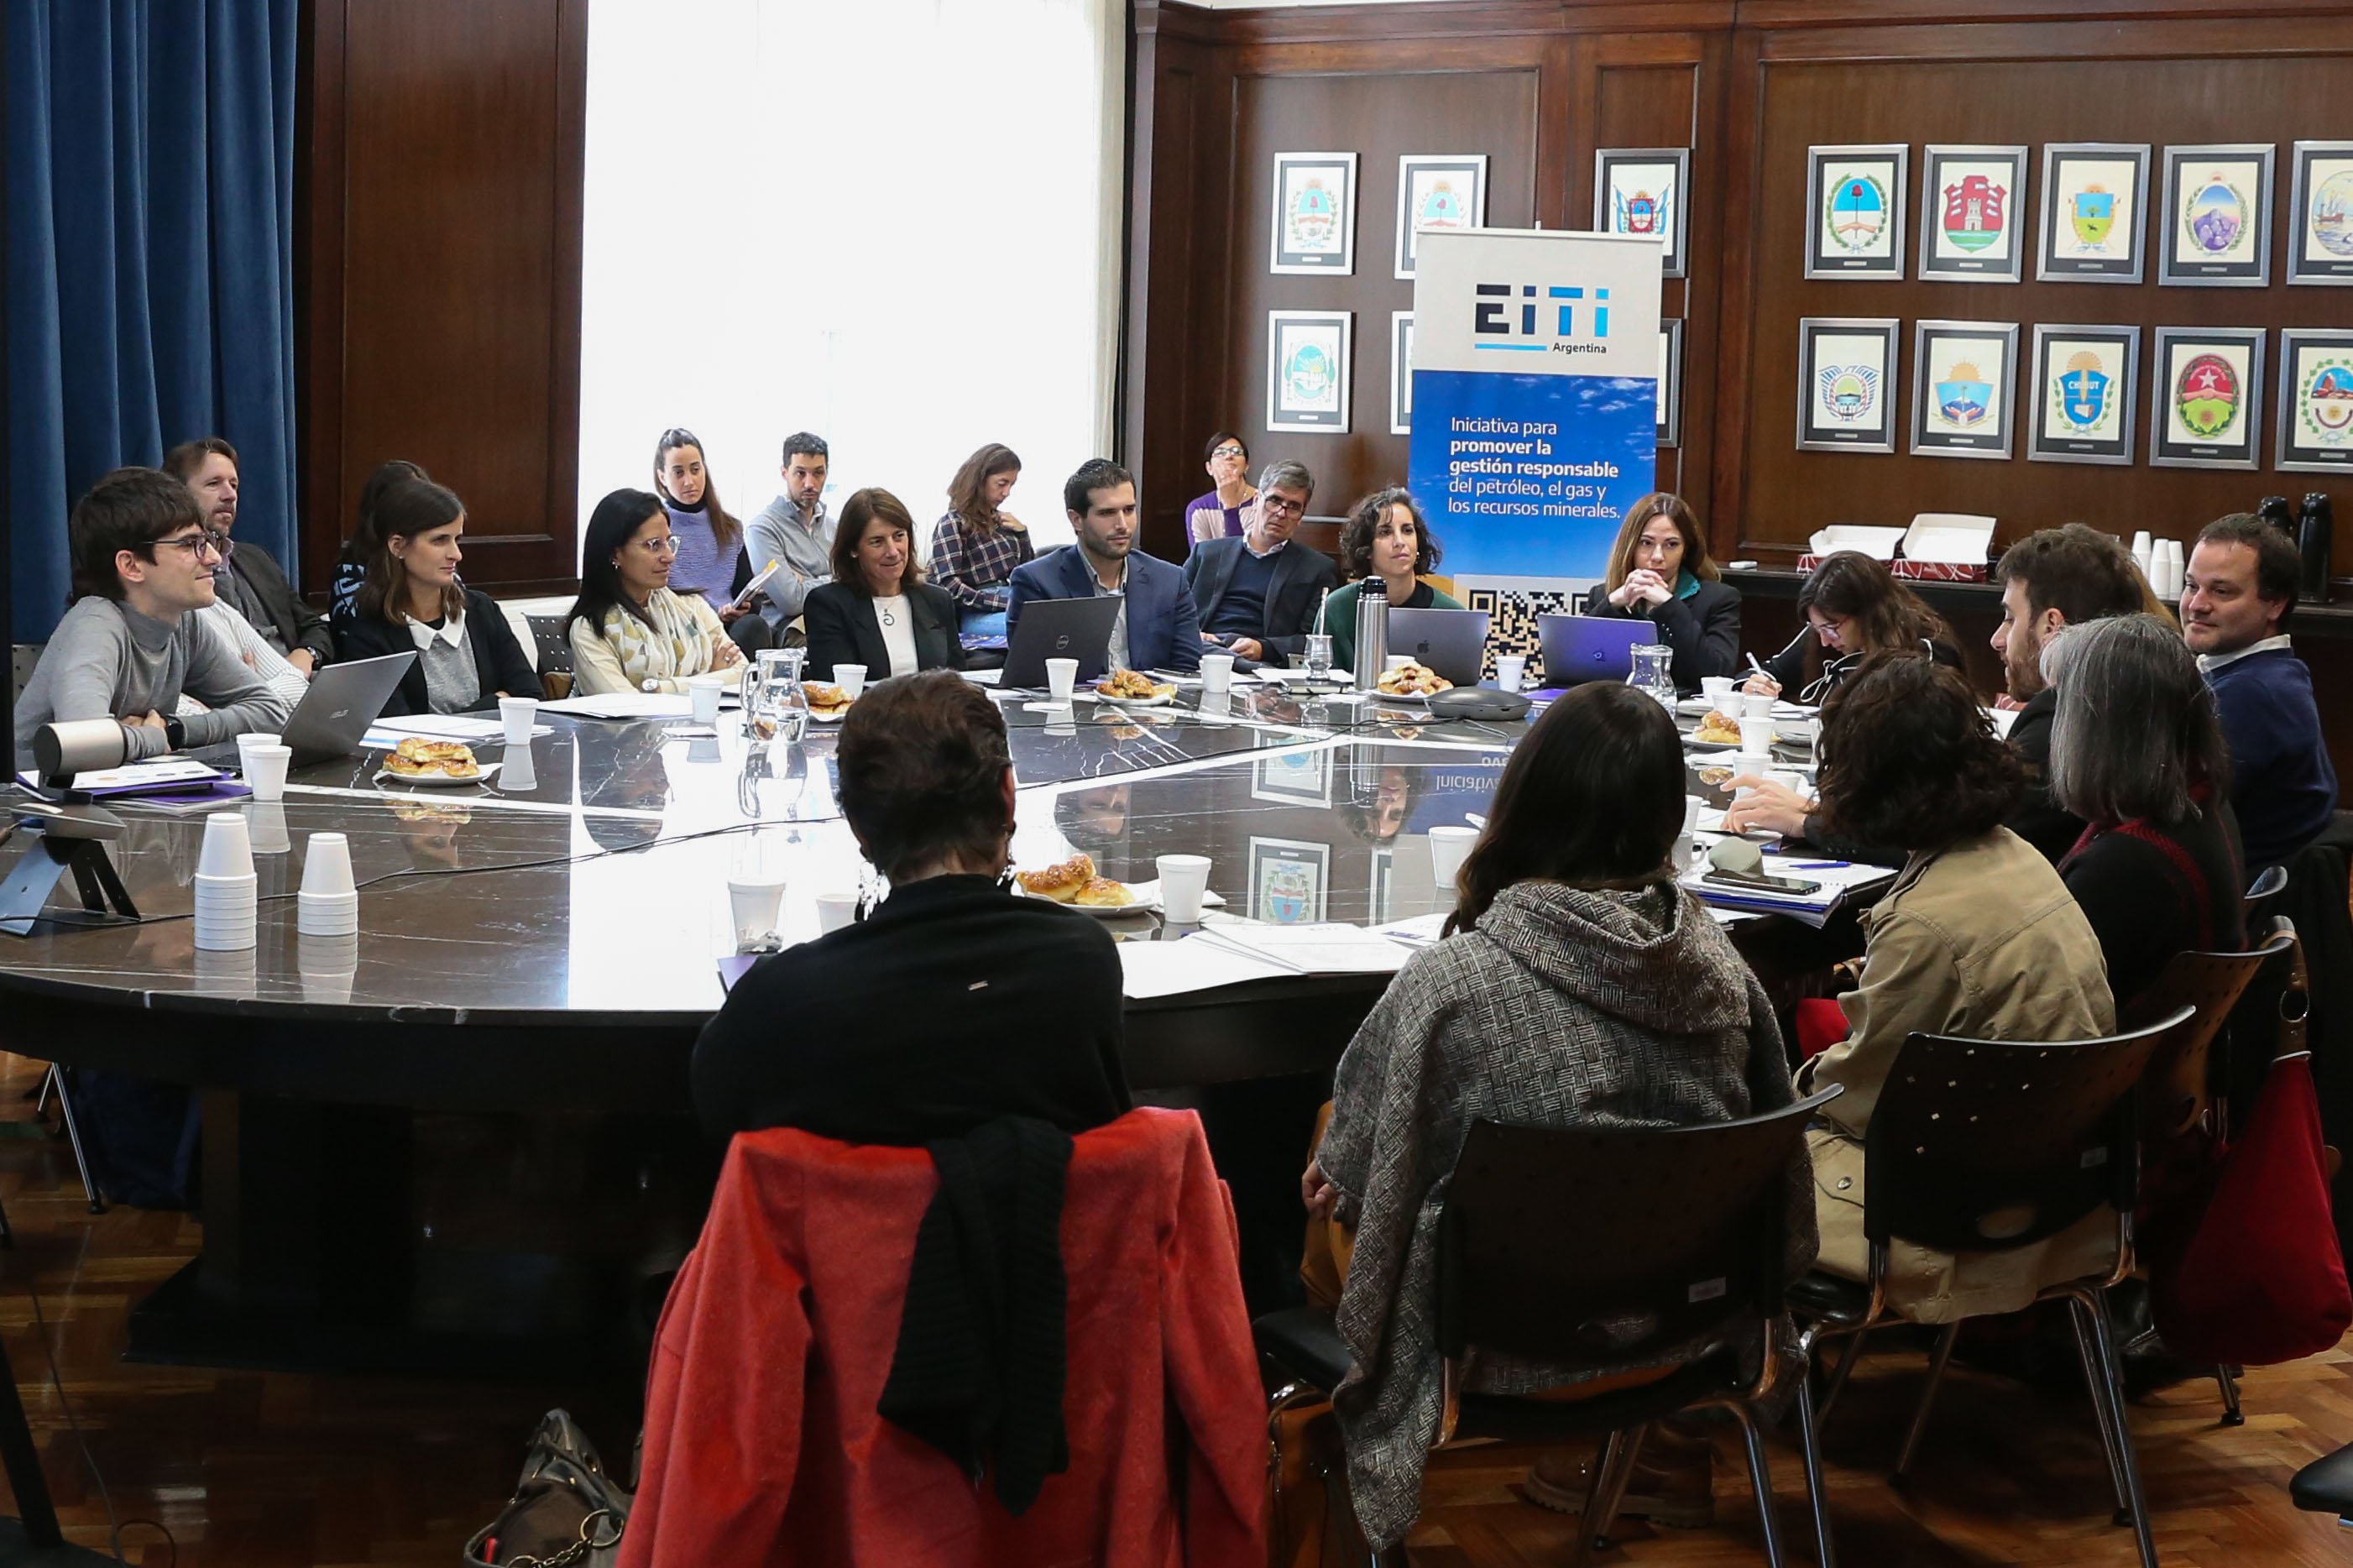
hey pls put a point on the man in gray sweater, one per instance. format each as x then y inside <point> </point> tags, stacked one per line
<point>794,531</point>
<point>133,642</point>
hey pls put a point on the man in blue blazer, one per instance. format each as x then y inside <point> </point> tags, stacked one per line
<point>1259,593</point>
<point>1156,628</point>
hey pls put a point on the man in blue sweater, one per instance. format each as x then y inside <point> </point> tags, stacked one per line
<point>2235,598</point>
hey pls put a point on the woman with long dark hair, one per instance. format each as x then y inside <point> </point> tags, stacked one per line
<point>351,567</point>
<point>467,656</point>
<point>710,560</point>
<point>878,611</point>
<point>1661,571</point>
<point>631,631</point>
<point>1388,536</point>
<point>1854,607</point>
<point>976,544</point>
<point>1578,983</point>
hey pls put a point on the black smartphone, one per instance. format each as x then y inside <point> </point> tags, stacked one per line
<point>1797,886</point>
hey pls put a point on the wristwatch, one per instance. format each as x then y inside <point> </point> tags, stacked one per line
<point>175,735</point>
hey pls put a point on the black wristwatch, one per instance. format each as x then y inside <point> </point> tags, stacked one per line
<point>176,735</point>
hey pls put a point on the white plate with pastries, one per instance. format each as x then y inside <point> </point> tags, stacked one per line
<point>1161,692</point>
<point>1074,882</point>
<point>482,771</point>
<point>828,704</point>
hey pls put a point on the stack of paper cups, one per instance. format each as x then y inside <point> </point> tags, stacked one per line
<point>329,905</point>
<point>227,892</point>
<point>2143,553</point>
<point>2176,569</point>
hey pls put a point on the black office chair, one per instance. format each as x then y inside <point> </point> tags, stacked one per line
<point>551,638</point>
<point>1554,1240</point>
<point>1986,1146</point>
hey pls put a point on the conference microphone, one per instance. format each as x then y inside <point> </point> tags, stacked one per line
<point>78,745</point>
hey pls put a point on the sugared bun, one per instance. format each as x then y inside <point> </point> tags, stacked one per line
<point>1060,883</point>
<point>1103,893</point>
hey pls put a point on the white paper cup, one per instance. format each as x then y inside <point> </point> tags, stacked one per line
<point>257,738</point>
<point>1061,674</point>
<point>327,916</point>
<point>1449,845</point>
<point>852,679</point>
<point>702,691</point>
<point>1754,705</point>
<point>1756,737</point>
<point>1183,879</point>
<point>1692,805</point>
<point>228,848</point>
<point>1511,671</point>
<point>1718,690</point>
<point>755,902</point>
<point>1217,673</point>
<point>518,714</point>
<point>327,864</point>
<point>265,770</point>
<point>226,934</point>
<point>835,910</point>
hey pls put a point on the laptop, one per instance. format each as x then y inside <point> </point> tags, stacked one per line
<point>342,701</point>
<point>1451,642</point>
<point>1060,628</point>
<point>1578,648</point>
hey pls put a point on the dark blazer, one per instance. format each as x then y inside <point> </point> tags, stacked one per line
<point>294,622</point>
<point>1164,631</point>
<point>953,1003</point>
<point>1302,575</point>
<point>499,661</point>
<point>842,630</point>
<point>1704,630</point>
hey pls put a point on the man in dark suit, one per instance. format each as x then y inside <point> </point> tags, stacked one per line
<point>1259,593</point>
<point>1157,627</point>
<point>249,581</point>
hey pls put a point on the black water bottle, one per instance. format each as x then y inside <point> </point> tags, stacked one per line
<point>2312,542</point>
<point>2276,510</point>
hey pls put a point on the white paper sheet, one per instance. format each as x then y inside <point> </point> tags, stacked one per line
<point>624,705</point>
<point>1151,969</point>
<point>1314,949</point>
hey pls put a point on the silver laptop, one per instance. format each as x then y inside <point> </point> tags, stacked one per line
<point>1451,642</point>
<point>342,701</point>
<point>1578,648</point>
<point>1060,628</point>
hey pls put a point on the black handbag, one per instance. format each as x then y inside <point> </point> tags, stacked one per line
<point>566,1512</point>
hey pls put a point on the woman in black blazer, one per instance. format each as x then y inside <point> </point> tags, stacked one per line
<point>467,656</point>
<point>878,611</point>
<point>1659,572</point>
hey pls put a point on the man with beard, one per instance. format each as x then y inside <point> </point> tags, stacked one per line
<point>1157,626</point>
<point>248,579</point>
<point>2057,578</point>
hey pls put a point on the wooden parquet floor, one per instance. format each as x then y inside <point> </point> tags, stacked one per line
<point>271,1470</point>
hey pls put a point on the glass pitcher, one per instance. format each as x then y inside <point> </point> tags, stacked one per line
<point>1653,672</point>
<point>777,710</point>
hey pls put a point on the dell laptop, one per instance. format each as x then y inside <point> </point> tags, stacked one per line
<point>1451,642</point>
<point>342,701</point>
<point>1060,628</point>
<point>1578,648</point>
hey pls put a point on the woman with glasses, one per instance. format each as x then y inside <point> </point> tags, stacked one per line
<point>631,631</point>
<point>878,611</point>
<point>1232,505</point>
<point>412,602</point>
<point>1853,609</point>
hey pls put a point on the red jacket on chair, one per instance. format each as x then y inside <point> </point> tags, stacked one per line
<point>761,1443</point>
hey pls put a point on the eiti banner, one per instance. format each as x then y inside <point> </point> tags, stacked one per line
<point>1536,363</point>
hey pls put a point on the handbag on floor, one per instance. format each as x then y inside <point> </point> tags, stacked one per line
<point>566,1512</point>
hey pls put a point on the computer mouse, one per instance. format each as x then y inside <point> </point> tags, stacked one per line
<point>1478,702</point>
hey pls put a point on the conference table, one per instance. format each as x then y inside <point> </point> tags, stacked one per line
<point>545,945</point>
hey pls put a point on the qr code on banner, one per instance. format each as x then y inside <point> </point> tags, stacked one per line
<point>1512,623</point>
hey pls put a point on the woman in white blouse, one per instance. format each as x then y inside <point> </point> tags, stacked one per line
<point>878,611</point>
<point>629,631</point>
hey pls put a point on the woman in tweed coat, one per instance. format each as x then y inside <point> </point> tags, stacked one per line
<point>1578,987</point>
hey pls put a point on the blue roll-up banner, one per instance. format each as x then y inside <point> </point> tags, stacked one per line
<point>1536,365</point>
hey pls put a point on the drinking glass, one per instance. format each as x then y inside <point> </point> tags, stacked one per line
<point>1319,657</point>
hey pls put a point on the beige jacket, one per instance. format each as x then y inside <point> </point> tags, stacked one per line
<point>1980,940</point>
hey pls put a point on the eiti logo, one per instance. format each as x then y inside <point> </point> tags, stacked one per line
<point>1496,318</point>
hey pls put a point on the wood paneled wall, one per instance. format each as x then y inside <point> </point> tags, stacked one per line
<point>1749,85</point>
<point>438,269</point>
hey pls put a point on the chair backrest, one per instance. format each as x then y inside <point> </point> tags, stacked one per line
<point>1592,1246</point>
<point>551,636</point>
<point>2177,1089</point>
<point>2271,884</point>
<point>1988,1145</point>
<point>25,657</point>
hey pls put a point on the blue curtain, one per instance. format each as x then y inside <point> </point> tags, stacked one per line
<point>149,285</point>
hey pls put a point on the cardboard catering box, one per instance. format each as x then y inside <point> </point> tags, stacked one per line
<point>1939,546</point>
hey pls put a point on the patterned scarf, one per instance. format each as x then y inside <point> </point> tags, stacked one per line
<point>677,643</point>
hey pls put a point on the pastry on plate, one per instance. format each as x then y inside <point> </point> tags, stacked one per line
<point>1132,686</point>
<point>421,757</point>
<point>1717,730</point>
<point>1060,883</point>
<point>825,701</point>
<point>1411,679</point>
<point>1103,893</point>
